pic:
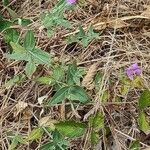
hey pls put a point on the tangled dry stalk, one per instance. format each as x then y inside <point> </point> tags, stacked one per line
<point>124,39</point>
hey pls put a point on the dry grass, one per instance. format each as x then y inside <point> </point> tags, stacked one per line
<point>120,44</point>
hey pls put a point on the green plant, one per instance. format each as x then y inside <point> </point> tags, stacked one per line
<point>57,136</point>
<point>58,142</point>
<point>29,53</point>
<point>96,123</point>
<point>83,37</point>
<point>67,84</point>
<point>144,102</point>
<point>15,140</point>
<point>135,145</point>
<point>73,101</point>
<point>15,80</point>
<point>5,2</point>
<point>63,129</point>
<point>71,89</point>
<point>56,78</point>
<point>66,79</point>
<point>55,18</point>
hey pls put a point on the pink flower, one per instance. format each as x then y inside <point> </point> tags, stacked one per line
<point>71,2</point>
<point>133,70</point>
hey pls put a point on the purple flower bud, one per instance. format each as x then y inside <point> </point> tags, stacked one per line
<point>71,2</point>
<point>133,70</point>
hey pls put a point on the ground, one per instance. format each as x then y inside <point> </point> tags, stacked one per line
<point>124,39</point>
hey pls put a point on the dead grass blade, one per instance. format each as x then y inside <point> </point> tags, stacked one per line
<point>146,13</point>
<point>118,23</point>
<point>112,23</point>
<point>19,107</point>
<point>47,122</point>
<point>88,79</point>
<point>147,148</point>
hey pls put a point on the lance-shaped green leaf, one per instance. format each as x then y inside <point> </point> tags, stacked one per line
<point>135,145</point>
<point>74,74</point>
<point>5,2</point>
<point>82,37</point>
<point>144,100</point>
<point>24,22</point>
<point>30,69</point>
<point>97,121</point>
<point>29,41</point>
<point>18,56</point>
<point>4,24</point>
<point>46,80</point>
<point>15,140</point>
<point>77,93</point>
<point>36,55</point>
<point>71,128</point>
<point>35,134</point>
<point>19,53</point>
<point>95,137</point>
<point>12,13</point>
<point>58,73</point>
<point>59,96</point>
<point>17,48</point>
<point>11,35</point>
<point>40,57</point>
<point>72,69</point>
<point>143,123</point>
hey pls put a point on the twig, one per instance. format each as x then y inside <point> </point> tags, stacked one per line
<point>131,138</point>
